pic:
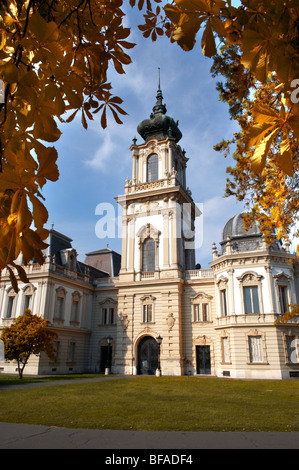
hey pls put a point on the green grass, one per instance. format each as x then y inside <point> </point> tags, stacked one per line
<point>159,403</point>
<point>14,379</point>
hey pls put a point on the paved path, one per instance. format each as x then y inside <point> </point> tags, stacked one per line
<point>23,436</point>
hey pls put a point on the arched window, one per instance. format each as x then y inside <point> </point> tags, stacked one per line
<point>152,168</point>
<point>148,255</point>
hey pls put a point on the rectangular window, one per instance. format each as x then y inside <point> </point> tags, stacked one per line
<point>148,255</point>
<point>196,312</point>
<point>104,316</point>
<point>256,349</point>
<point>225,350</point>
<point>27,302</point>
<point>9,307</point>
<point>60,302</point>
<point>251,299</point>
<point>57,347</point>
<point>147,313</point>
<point>223,302</point>
<point>283,296</point>
<point>291,349</point>
<point>111,315</point>
<point>72,349</point>
<point>205,312</point>
<point>75,311</point>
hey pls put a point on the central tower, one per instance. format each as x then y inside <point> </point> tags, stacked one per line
<point>157,245</point>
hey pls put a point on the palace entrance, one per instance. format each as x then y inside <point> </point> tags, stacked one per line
<point>203,360</point>
<point>148,353</point>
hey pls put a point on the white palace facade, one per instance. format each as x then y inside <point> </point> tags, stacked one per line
<point>151,310</point>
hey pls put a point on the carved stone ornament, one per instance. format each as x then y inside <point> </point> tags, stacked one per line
<point>170,320</point>
<point>125,322</point>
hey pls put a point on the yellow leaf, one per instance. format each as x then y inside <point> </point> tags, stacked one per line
<point>2,39</point>
<point>10,73</point>
<point>47,164</point>
<point>208,41</point>
<point>40,213</point>
<point>258,159</point>
<point>42,30</point>
<point>285,158</point>
<point>262,113</point>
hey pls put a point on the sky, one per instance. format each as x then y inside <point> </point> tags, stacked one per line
<point>95,163</point>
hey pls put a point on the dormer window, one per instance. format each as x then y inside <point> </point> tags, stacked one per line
<point>152,168</point>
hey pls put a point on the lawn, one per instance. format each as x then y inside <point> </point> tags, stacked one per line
<point>159,403</point>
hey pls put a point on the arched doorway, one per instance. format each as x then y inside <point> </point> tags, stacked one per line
<point>148,356</point>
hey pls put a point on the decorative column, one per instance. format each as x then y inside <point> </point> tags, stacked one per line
<point>166,239</point>
<point>124,240</point>
<point>131,221</point>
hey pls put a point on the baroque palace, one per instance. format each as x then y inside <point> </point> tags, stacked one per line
<point>151,310</point>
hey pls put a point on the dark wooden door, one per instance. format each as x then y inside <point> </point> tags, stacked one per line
<point>203,360</point>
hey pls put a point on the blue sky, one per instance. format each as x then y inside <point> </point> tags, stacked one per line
<point>94,164</point>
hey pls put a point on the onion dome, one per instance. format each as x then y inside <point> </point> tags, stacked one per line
<point>159,125</point>
<point>241,239</point>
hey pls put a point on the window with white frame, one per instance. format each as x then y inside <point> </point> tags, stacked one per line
<point>223,302</point>
<point>148,243</point>
<point>75,313</point>
<point>251,293</point>
<point>251,299</point>
<point>255,344</point>
<point>196,308</point>
<point>283,298</point>
<point>283,292</point>
<point>108,311</point>
<point>60,304</point>
<point>147,308</point>
<point>27,300</point>
<point>108,316</point>
<point>152,168</point>
<point>201,312</point>
<point>201,303</point>
<point>222,285</point>
<point>10,304</point>
<point>205,312</point>
<point>225,349</point>
<point>148,255</point>
<point>147,313</point>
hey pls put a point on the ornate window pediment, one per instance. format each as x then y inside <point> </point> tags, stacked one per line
<point>108,311</point>
<point>148,231</point>
<point>282,278</point>
<point>201,305</point>
<point>201,296</point>
<point>250,278</point>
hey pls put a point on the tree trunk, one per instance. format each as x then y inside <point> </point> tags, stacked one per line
<point>20,370</point>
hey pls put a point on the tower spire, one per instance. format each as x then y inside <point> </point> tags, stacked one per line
<point>159,107</point>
